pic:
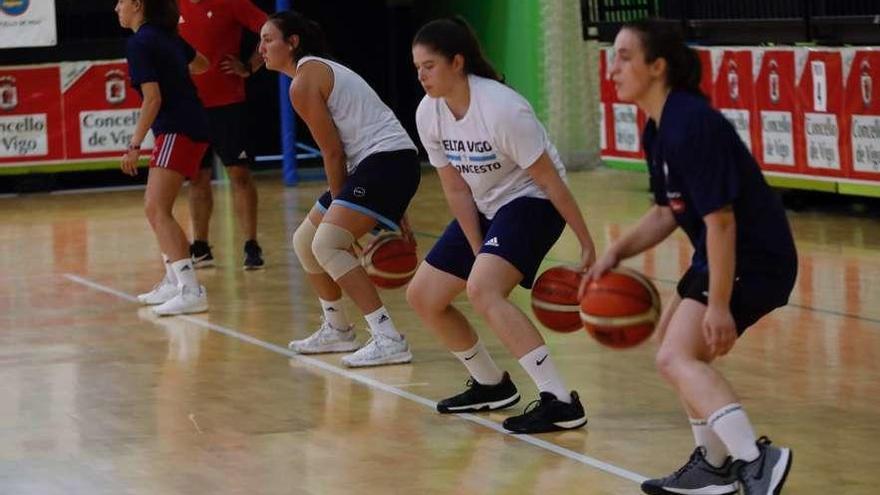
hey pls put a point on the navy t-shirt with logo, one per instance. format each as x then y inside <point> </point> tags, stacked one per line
<point>698,164</point>
<point>157,55</point>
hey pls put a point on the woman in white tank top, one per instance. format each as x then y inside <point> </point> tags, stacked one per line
<point>373,172</point>
<point>504,183</point>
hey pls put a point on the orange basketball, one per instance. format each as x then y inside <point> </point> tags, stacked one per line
<point>390,260</point>
<point>555,299</point>
<point>621,308</point>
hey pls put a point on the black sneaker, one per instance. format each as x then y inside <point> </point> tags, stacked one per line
<point>696,477</point>
<point>200,252</point>
<point>479,397</point>
<point>548,414</point>
<point>766,474</point>
<point>253,256</point>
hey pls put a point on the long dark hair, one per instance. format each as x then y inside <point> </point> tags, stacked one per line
<point>311,36</point>
<point>664,40</point>
<point>163,13</point>
<point>453,36</point>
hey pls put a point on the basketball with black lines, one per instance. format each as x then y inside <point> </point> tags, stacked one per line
<point>390,260</point>
<point>621,308</point>
<point>555,299</point>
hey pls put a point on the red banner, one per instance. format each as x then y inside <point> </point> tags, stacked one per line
<point>707,83</point>
<point>820,87</point>
<point>862,117</point>
<point>30,115</point>
<point>734,93</point>
<point>100,109</point>
<point>778,111</point>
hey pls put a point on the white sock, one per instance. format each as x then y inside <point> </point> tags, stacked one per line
<point>540,367</point>
<point>334,314</point>
<point>732,426</point>
<point>184,272</point>
<point>380,324</point>
<point>169,272</point>
<point>480,365</point>
<point>716,452</point>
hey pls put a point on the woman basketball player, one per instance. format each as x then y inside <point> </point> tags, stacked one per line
<point>504,183</point>
<point>373,172</point>
<point>159,63</point>
<point>744,265</point>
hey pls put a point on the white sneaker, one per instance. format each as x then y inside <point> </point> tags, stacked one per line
<point>378,351</point>
<point>187,300</point>
<point>326,339</point>
<point>161,292</point>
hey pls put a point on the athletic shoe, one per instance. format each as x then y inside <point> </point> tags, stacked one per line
<point>188,300</point>
<point>161,292</point>
<point>326,339</point>
<point>766,474</point>
<point>200,252</point>
<point>479,397</point>
<point>696,477</point>
<point>548,414</point>
<point>253,256</point>
<point>380,350</point>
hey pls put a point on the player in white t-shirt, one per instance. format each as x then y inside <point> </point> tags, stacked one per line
<point>373,172</point>
<point>504,183</point>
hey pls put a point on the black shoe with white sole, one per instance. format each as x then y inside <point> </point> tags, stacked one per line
<point>479,397</point>
<point>548,414</point>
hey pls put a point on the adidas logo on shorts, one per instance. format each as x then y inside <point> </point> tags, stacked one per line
<point>492,242</point>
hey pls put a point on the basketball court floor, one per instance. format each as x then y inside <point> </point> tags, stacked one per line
<point>100,397</point>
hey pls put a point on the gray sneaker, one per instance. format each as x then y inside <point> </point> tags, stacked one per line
<point>766,474</point>
<point>697,477</point>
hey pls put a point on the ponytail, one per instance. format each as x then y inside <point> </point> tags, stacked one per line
<point>163,13</point>
<point>454,36</point>
<point>664,40</point>
<point>311,36</point>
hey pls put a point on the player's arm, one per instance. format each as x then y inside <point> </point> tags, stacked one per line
<point>544,173</point>
<point>199,64</point>
<point>654,226</point>
<point>461,204</point>
<point>308,94</point>
<point>150,106</point>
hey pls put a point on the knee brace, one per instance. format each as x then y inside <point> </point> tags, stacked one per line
<point>302,246</point>
<point>331,248</point>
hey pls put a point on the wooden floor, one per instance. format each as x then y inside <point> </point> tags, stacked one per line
<point>100,397</point>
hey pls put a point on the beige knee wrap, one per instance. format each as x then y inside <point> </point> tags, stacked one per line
<point>302,245</point>
<point>331,247</point>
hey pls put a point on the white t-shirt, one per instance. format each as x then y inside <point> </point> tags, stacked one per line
<point>365,124</point>
<point>491,146</point>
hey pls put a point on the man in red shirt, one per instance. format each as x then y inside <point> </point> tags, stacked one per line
<point>214,28</point>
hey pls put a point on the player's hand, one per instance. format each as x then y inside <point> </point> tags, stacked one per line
<point>597,269</point>
<point>719,330</point>
<point>130,162</point>
<point>233,66</point>
<point>588,258</point>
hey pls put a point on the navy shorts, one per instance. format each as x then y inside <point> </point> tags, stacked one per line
<point>522,233</point>
<point>228,136</point>
<point>754,294</point>
<point>381,186</point>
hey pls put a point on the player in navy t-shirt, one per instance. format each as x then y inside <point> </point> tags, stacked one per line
<point>744,265</point>
<point>159,64</point>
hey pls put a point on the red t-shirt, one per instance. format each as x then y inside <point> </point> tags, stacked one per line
<point>214,28</point>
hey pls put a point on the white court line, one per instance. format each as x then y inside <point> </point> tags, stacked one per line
<point>570,454</point>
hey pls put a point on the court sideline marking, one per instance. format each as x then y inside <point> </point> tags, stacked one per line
<point>316,363</point>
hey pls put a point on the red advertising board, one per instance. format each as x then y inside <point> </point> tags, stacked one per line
<point>779,140</point>
<point>707,81</point>
<point>820,88</point>
<point>30,115</point>
<point>606,90</point>
<point>734,92</point>
<point>100,109</point>
<point>862,113</point>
